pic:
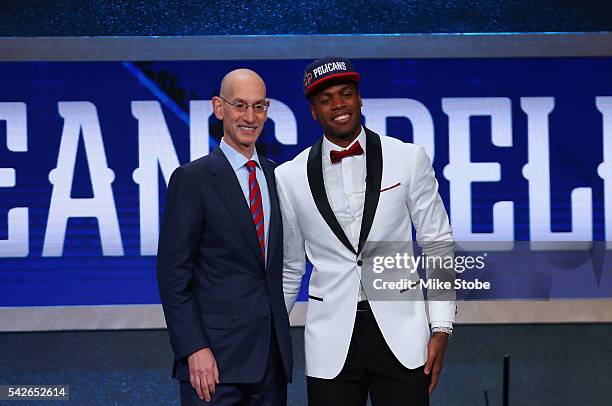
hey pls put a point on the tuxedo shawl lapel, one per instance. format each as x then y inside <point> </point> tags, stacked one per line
<point>374,163</point>
<point>317,188</point>
<point>229,190</point>
<point>274,228</point>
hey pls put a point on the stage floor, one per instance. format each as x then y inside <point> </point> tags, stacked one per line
<point>556,364</point>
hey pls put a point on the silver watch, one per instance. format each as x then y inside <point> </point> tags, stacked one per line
<point>440,329</point>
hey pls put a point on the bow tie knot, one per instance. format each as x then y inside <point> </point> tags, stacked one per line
<point>337,156</point>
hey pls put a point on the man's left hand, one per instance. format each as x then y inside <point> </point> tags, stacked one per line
<point>435,357</point>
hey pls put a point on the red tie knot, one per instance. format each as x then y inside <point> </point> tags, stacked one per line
<point>251,165</point>
<point>337,156</point>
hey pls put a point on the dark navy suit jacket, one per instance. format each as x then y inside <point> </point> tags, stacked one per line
<point>214,287</point>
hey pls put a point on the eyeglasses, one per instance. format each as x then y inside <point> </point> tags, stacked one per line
<point>241,106</point>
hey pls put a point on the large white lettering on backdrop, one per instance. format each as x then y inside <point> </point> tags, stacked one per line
<point>537,172</point>
<point>155,150</point>
<point>604,105</point>
<point>16,245</point>
<point>156,153</point>
<point>81,118</point>
<point>462,172</point>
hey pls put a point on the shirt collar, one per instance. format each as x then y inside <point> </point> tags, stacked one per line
<point>330,146</point>
<point>235,158</point>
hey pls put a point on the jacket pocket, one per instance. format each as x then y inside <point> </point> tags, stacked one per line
<point>217,321</point>
<point>318,299</point>
<point>390,187</point>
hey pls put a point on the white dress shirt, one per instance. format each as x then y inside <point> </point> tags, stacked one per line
<point>345,187</point>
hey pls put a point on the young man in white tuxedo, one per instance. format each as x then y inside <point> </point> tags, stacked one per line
<point>351,188</point>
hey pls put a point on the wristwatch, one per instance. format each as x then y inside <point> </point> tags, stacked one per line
<point>439,329</point>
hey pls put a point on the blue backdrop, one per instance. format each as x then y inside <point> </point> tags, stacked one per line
<point>60,102</point>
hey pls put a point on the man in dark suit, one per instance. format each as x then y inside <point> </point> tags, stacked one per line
<point>219,263</point>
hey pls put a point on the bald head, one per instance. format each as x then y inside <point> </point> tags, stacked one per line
<point>239,107</point>
<point>241,78</point>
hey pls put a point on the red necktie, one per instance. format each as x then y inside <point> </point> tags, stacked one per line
<point>256,206</point>
<point>337,156</point>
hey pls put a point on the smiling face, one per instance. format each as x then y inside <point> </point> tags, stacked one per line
<point>337,108</point>
<point>241,129</point>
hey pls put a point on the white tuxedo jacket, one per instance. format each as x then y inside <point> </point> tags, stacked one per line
<point>311,229</point>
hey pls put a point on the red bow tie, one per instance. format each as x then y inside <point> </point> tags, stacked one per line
<point>337,156</point>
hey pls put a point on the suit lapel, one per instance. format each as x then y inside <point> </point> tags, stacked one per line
<point>274,230</point>
<point>231,193</point>
<point>317,188</point>
<point>374,163</point>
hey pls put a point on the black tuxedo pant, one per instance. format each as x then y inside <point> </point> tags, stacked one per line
<point>370,368</point>
<point>270,391</point>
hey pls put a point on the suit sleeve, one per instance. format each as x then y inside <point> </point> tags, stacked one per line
<point>178,241</point>
<point>433,234</point>
<point>294,256</point>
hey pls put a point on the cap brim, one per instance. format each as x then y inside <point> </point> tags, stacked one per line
<point>352,76</point>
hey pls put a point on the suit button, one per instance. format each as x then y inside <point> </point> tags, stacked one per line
<point>359,263</point>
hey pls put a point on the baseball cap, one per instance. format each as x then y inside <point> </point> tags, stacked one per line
<point>328,69</point>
